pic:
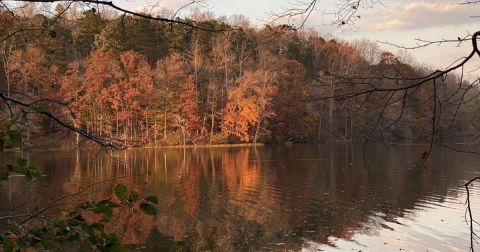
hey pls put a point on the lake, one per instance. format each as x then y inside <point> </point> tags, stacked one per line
<point>331,197</point>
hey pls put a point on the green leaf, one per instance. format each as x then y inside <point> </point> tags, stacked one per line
<point>73,237</point>
<point>152,199</point>
<point>21,162</point>
<point>61,228</point>
<point>12,228</point>
<point>48,245</point>
<point>104,208</point>
<point>35,231</point>
<point>33,164</point>
<point>73,222</point>
<point>134,196</point>
<point>88,229</point>
<point>121,191</point>
<point>93,240</point>
<point>32,173</point>
<point>98,226</point>
<point>112,239</point>
<point>3,175</point>
<point>15,138</point>
<point>37,109</point>
<point>148,208</point>
<point>115,247</point>
<point>21,244</point>
<point>8,245</point>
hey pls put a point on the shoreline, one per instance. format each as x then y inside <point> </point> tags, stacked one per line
<point>190,146</point>
<point>193,146</point>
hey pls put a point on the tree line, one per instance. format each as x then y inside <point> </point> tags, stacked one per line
<point>144,82</point>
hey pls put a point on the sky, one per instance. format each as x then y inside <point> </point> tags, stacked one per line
<point>396,21</point>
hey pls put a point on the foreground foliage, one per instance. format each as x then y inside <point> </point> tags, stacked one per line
<point>85,223</point>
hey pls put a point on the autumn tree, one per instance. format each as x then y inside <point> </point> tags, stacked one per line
<point>71,90</point>
<point>116,95</point>
<point>102,95</point>
<point>187,116</point>
<point>135,86</point>
<point>249,106</point>
<point>32,78</point>
<point>31,72</point>
<point>294,121</point>
<point>146,82</point>
<point>170,75</point>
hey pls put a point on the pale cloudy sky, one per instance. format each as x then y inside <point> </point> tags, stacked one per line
<point>396,21</point>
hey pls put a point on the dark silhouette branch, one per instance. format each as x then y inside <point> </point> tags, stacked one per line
<point>469,211</point>
<point>420,43</point>
<point>103,142</point>
<point>192,24</point>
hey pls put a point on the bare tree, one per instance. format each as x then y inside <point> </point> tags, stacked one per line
<point>363,87</point>
<point>347,14</point>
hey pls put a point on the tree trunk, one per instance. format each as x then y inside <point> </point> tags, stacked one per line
<point>28,130</point>
<point>346,124</point>
<point>125,132</point>
<point>225,65</point>
<point>351,119</point>
<point>183,134</point>
<point>77,135</point>
<point>165,126</point>
<point>147,133</point>
<point>331,108</point>
<point>195,62</point>
<point>155,133</point>
<point>134,128</point>
<point>257,131</point>
<point>319,129</point>
<point>212,118</point>
<point>131,130</point>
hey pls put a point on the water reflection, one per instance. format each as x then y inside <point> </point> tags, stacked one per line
<point>322,197</point>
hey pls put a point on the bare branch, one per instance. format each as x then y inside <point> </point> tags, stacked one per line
<point>105,143</point>
<point>192,24</point>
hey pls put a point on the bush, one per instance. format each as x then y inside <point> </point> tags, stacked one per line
<point>174,138</point>
<point>219,138</point>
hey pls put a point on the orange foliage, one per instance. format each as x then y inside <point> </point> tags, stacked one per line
<point>30,72</point>
<point>188,105</point>
<point>247,105</point>
<point>122,85</point>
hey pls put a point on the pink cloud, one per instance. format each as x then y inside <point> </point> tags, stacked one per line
<point>419,14</point>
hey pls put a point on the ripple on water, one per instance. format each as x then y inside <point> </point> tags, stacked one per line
<point>294,198</point>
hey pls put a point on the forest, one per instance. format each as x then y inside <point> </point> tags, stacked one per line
<point>142,82</point>
<point>306,141</point>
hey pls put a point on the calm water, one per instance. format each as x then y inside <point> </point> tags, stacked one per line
<point>305,197</point>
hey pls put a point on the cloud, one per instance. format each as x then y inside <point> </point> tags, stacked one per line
<point>419,14</point>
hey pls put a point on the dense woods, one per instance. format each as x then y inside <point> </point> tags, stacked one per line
<point>79,72</point>
<point>142,82</point>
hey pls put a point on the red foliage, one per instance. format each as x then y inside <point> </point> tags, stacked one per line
<point>188,106</point>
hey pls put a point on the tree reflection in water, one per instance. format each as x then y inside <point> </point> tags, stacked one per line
<point>264,198</point>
